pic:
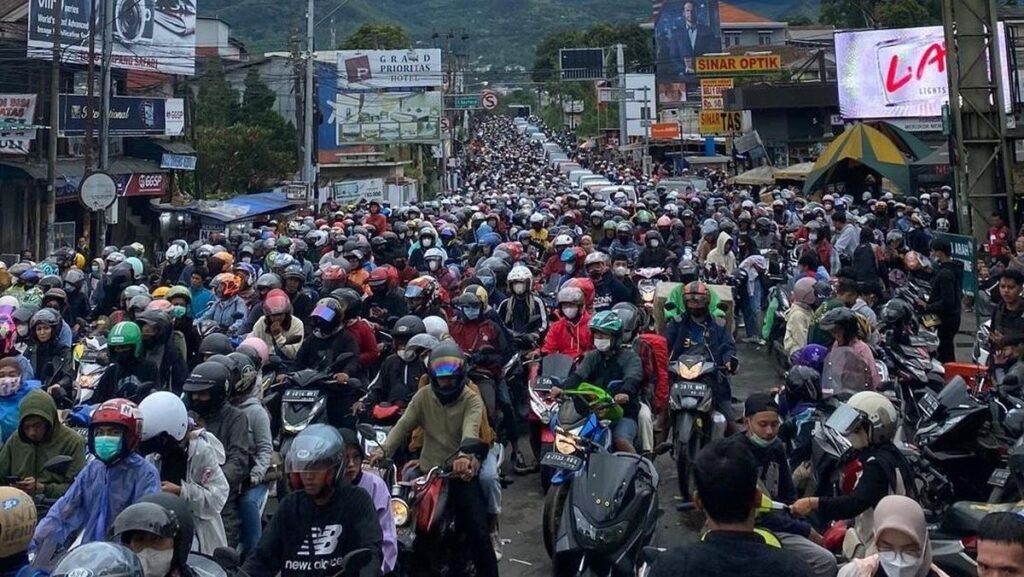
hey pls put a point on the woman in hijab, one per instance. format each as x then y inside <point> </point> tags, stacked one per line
<point>901,538</point>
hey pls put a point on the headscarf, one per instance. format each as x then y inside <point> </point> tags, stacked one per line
<point>903,514</point>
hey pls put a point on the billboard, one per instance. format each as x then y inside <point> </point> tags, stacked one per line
<point>640,104</point>
<point>389,69</point>
<point>386,117</point>
<point>17,126</point>
<point>683,30</point>
<point>581,63</point>
<point>746,65</point>
<point>129,115</point>
<point>898,73</point>
<point>359,190</point>
<point>149,35</point>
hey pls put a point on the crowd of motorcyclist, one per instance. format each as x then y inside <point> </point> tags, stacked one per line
<point>414,314</point>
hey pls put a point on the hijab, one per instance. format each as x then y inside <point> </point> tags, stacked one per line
<point>903,514</point>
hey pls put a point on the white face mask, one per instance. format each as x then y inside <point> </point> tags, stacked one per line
<point>654,243</point>
<point>570,312</point>
<point>603,345</point>
<point>433,265</point>
<point>155,563</point>
<point>570,268</point>
<point>407,355</point>
<point>426,242</point>
<point>519,288</point>
<point>9,386</point>
<point>813,237</point>
<point>898,564</point>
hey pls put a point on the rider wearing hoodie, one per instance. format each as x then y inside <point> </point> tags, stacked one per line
<point>157,347</point>
<point>41,436</point>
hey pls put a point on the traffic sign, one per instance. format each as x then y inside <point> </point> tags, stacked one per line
<point>98,191</point>
<point>467,101</point>
<point>489,99</point>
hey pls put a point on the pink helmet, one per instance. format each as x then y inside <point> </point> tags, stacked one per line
<point>8,333</point>
<point>803,292</point>
<point>259,346</point>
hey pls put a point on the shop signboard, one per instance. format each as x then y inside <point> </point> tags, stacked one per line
<point>727,65</point>
<point>129,115</point>
<point>149,35</point>
<point>353,191</point>
<point>899,72</point>
<point>369,70</point>
<point>17,131</point>
<point>386,117</point>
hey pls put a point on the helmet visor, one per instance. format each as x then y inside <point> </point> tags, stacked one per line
<point>446,367</point>
<point>325,313</point>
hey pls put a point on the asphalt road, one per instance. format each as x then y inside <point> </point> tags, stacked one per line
<point>523,501</point>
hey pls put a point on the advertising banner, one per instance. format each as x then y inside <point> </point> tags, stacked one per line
<point>389,69</point>
<point>151,35</point>
<point>17,131</point>
<point>357,190</point>
<point>723,122</point>
<point>898,73</point>
<point>154,184</point>
<point>178,161</point>
<point>683,31</point>
<point>640,108</point>
<point>129,115</point>
<point>386,117</point>
<point>665,131</point>
<point>712,92</point>
<point>749,65</point>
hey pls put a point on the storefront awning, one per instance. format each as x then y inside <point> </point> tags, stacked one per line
<point>75,167</point>
<point>246,206</point>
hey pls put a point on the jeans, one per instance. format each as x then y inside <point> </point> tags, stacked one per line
<point>250,508</point>
<point>751,310</point>
<point>467,502</point>
<point>626,429</point>
<point>490,482</point>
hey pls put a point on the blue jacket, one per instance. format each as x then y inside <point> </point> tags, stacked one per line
<point>223,312</point>
<point>98,494</point>
<point>201,298</point>
<point>10,407</point>
<point>713,333</point>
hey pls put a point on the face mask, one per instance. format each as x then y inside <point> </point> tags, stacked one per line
<point>898,564</point>
<point>22,330</point>
<point>106,447</point>
<point>470,314</point>
<point>619,271</point>
<point>95,268</point>
<point>519,288</point>
<point>155,563</point>
<point>899,214</point>
<point>654,243</point>
<point>9,386</point>
<point>570,268</point>
<point>759,442</point>
<point>603,345</point>
<point>813,237</point>
<point>570,312</point>
<point>433,265</point>
<point>407,355</point>
<point>595,274</point>
<point>178,311</point>
<point>426,242</point>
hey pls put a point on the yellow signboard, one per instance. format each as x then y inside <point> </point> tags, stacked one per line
<point>712,92</point>
<point>738,65</point>
<point>721,122</point>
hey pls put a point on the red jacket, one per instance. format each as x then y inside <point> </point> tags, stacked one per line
<point>568,338</point>
<point>379,222</point>
<point>362,332</point>
<point>553,266</point>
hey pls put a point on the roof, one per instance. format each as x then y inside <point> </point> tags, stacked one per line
<point>729,14</point>
<point>246,206</point>
<point>75,168</point>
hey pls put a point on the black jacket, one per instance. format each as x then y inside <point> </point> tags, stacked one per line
<point>947,289</point>
<point>654,257</point>
<point>303,540</point>
<point>51,363</point>
<point>877,480</point>
<point>600,369</point>
<point>396,382</point>
<point>730,554</point>
<point>231,427</point>
<point>865,265</point>
<point>609,292</point>
<point>123,380</point>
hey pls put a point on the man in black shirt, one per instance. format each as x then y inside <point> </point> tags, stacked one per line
<point>1008,319</point>
<point>731,547</point>
<point>945,297</point>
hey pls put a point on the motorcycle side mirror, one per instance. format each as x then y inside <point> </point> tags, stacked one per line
<point>227,558</point>
<point>366,430</point>
<point>58,465</point>
<point>293,339</point>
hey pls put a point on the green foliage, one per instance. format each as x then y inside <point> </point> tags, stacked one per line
<point>880,13</point>
<point>378,36</point>
<point>243,144</point>
<point>639,49</point>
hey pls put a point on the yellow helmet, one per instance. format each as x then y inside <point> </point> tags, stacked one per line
<point>79,261</point>
<point>160,292</point>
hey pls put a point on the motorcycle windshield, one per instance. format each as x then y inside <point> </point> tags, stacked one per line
<point>556,366</point>
<point>845,372</point>
<point>608,486</point>
<point>955,394</point>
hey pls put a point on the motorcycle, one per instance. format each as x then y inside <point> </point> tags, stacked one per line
<point>91,357</point>
<point>779,298</point>
<point>695,421</point>
<point>552,372</point>
<point>647,280</point>
<point>601,509</point>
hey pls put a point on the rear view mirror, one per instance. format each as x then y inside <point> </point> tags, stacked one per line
<point>58,465</point>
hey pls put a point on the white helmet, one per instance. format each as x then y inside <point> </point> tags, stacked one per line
<point>163,412</point>
<point>175,253</point>
<point>520,273</point>
<point>563,240</point>
<point>570,294</point>
<point>434,253</point>
<point>536,218</point>
<point>880,414</point>
<point>436,327</point>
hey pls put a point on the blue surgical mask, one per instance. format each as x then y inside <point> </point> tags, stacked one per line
<point>179,311</point>
<point>106,447</point>
<point>470,314</point>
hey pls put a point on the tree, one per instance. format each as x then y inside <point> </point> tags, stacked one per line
<point>258,98</point>
<point>241,158</point>
<point>880,13</point>
<point>902,14</point>
<point>378,36</point>
<point>217,102</point>
<point>797,20</point>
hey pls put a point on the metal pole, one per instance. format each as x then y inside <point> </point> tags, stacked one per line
<point>308,172</point>
<point>647,134</point>
<point>621,71</point>
<point>51,168</point>
<point>108,50</point>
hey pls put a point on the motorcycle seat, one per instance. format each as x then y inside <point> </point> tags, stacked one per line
<point>963,517</point>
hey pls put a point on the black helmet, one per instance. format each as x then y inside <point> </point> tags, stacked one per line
<point>841,318</point>
<point>349,299</point>
<point>50,281</point>
<point>147,518</point>
<point>182,512</point>
<point>247,373</point>
<point>447,360</point>
<point>896,312</point>
<point>316,448</point>
<point>408,327</point>
<point>803,385</point>
<point>631,319</point>
<point>99,559</point>
<point>48,317</point>
<point>215,344</point>
<point>268,281</point>
<point>234,370</point>
<point>327,317</point>
<point>209,376</point>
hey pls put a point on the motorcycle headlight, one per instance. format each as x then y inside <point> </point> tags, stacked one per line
<point>599,537</point>
<point>688,403</point>
<point>566,444</point>
<point>688,373</point>
<point>400,512</point>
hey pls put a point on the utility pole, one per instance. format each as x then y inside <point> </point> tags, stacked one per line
<point>108,50</point>
<point>90,103</point>
<point>620,69</point>
<point>51,169</point>
<point>309,170</point>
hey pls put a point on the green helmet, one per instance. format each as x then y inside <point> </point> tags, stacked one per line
<point>284,244</point>
<point>128,333</point>
<point>644,217</point>
<point>178,291</point>
<point>607,322</point>
<point>609,225</point>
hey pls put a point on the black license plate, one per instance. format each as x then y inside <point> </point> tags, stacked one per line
<point>690,389</point>
<point>560,461</point>
<point>999,477</point>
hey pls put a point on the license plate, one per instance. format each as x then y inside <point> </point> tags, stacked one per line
<point>690,389</point>
<point>999,477</point>
<point>301,395</point>
<point>560,461</point>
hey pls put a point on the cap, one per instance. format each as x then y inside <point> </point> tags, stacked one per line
<point>758,403</point>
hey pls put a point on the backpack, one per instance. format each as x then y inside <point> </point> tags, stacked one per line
<point>653,351</point>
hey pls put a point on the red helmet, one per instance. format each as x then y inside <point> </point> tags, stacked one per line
<point>514,249</point>
<point>586,285</point>
<point>277,303</point>
<point>122,413</point>
<point>228,282</point>
<point>384,276</point>
<point>334,276</point>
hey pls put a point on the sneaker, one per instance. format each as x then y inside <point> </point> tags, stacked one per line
<point>496,544</point>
